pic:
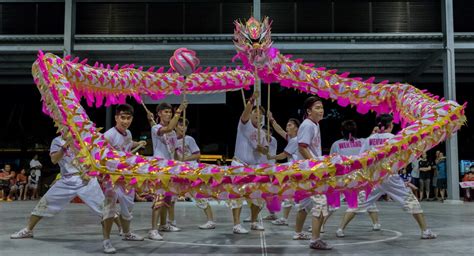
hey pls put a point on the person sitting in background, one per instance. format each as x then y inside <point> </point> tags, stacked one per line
<point>469,176</point>
<point>12,180</point>
<point>5,182</point>
<point>32,186</point>
<point>19,189</point>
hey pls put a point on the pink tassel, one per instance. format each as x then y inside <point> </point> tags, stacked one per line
<point>273,203</point>
<point>344,75</point>
<point>370,80</point>
<point>351,198</point>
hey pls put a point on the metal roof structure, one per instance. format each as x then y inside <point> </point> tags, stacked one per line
<point>407,57</point>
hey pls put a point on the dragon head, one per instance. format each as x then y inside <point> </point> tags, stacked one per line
<point>253,39</point>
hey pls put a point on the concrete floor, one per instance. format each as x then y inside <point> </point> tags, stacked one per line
<point>76,232</point>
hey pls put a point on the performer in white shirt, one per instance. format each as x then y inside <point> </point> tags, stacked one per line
<point>120,138</point>
<point>290,153</point>
<point>249,151</point>
<point>350,145</point>
<point>164,146</point>
<point>73,182</point>
<point>309,146</point>
<point>394,186</point>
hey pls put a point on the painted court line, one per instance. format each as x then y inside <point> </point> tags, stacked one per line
<point>398,234</point>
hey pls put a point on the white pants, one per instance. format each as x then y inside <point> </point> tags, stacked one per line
<point>396,189</point>
<point>237,203</point>
<point>287,203</point>
<point>126,201</point>
<point>361,199</point>
<point>64,190</point>
<point>316,205</point>
<point>202,203</point>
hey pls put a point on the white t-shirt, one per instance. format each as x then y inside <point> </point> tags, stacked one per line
<point>292,149</point>
<point>374,140</point>
<point>310,135</point>
<point>246,143</point>
<point>272,149</point>
<point>190,147</point>
<point>35,165</point>
<point>347,147</point>
<point>65,163</point>
<point>118,140</point>
<point>164,145</point>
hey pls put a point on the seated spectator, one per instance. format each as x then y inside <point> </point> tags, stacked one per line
<point>32,186</point>
<point>13,188</point>
<point>5,182</point>
<point>468,177</point>
<point>21,183</point>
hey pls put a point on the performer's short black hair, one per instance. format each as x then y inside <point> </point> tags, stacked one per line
<point>124,109</point>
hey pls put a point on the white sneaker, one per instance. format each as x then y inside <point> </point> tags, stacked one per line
<point>154,235</point>
<point>172,223</point>
<point>302,236</point>
<point>377,227</point>
<point>428,234</point>
<point>169,228</point>
<point>208,225</point>
<point>108,248</point>
<point>310,229</point>
<point>248,219</point>
<point>256,226</point>
<point>24,233</point>
<point>132,237</point>
<point>280,222</point>
<point>340,232</point>
<point>238,229</point>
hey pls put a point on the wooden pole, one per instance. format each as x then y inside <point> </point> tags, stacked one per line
<point>268,111</point>
<point>184,120</point>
